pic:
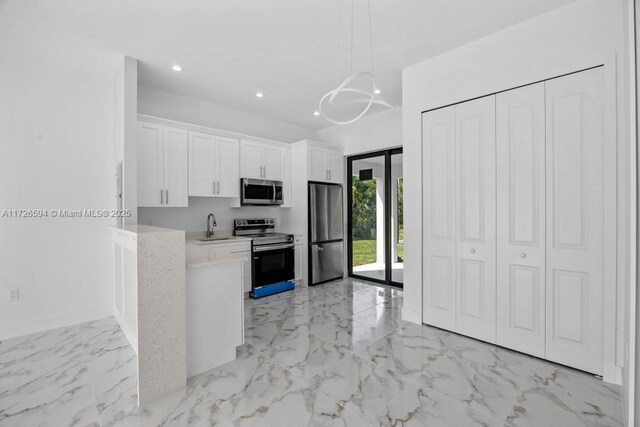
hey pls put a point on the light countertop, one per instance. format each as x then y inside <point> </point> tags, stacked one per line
<point>197,255</point>
<point>141,228</point>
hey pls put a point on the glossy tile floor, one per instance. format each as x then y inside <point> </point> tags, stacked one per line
<point>334,355</point>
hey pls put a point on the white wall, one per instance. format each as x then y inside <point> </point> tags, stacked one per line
<point>374,132</point>
<point>181,108</point>
<point>194,218</point>
<point>535,49</point>
<point>56,152</point>
<point>125,130</point>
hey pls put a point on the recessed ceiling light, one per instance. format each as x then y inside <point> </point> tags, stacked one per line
<point>316,113</point>
<point>259,95</point>
<point>176,68</point>
<point>377,91</point>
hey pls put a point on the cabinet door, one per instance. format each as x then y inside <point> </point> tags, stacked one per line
<point>228,168</point>
<point>317,164</point>
<point>287,174</point>
<point>439,256</point>
<point>202,168</point>
<point>176,175</point>
<point>335,167</point>
<point>150,175</point>
<point>575,219</point>
<point>520,154</point>
<point>272,163</point>
<point>476,218</point>
<point>251,160</point>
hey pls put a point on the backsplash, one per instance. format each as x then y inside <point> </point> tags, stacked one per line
<point>194,218</point>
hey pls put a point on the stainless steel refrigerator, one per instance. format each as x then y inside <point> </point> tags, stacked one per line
<point>326,233</point>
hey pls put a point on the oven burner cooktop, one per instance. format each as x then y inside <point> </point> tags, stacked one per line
<point>262,231</point>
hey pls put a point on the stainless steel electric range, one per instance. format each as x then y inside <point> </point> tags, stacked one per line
<point>272,256</point>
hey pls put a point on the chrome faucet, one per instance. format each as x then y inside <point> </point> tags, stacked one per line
<point>211,222</point>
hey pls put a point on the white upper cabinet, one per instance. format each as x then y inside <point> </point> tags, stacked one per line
<point>317,169</point>
<point>439,183</point>
<point>575,153</point>
<point>475,138</point>
<point>202,169</point>
<point>150,165</point>
<point>273,163</point>
<point>251,160</point>
<point>520,154</point>
<point>334,162</point>
<point>261,161</point>
<point>325,165</point>
<point>228,170</point>
<point>214,166</point>
<point>162,166</point>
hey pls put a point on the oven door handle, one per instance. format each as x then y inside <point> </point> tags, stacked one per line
<point>272,247</point>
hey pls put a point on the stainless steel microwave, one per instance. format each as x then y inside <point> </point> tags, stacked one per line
<point>260,192</point>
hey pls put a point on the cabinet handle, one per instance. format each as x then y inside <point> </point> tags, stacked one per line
<point>166,197</point>
<point>161,197</point>
<point>473,251</point>
<point>218,187</point>
<point>213,189</point>
<point>523,255</point>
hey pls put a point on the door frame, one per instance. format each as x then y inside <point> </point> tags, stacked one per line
<point>387,153</point>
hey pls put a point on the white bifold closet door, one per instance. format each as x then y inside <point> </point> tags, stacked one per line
<point>439,183</point>
<point>475,136</point>
<point>520,155</point>
<point>575,219</point>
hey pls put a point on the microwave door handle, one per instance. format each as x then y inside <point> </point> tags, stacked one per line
<point>274,192</point>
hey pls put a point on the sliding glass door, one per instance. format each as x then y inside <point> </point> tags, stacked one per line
<point>375,217</point>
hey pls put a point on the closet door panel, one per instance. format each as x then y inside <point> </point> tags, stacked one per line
<point>575,220</point>
<point>476,218</point>
<point>520,156</point>
<point>439,262</point>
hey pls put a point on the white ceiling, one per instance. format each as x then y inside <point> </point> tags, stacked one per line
<point>292,50</point>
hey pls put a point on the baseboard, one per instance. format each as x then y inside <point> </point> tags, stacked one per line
<point>17,329</point>
<point>411,316</point>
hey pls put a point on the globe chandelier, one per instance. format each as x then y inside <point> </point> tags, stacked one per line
<point>357,95</point>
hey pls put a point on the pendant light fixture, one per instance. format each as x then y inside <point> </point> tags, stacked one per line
<point>356,95</point>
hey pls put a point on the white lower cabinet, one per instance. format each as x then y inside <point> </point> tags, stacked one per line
<point>515,223</point>
<point>214,315</point>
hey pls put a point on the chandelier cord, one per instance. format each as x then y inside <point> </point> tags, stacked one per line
<point>370,36</point>
<point>352,31</point>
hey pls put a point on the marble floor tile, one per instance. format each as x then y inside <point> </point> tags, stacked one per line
<point>303,405</point>
<point>566,394</point>
<point>245,386</point>
<point>185,407</point>
<point>404,351</point>
<point>418,406</point>
<point>360,386</point>
<point>310,352</point>
<point>44,380</point>
<point>115,383</point>
<point>382,320</point>
<point>337,354</point>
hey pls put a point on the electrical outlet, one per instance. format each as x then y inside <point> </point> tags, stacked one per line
<point>13,294</point>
